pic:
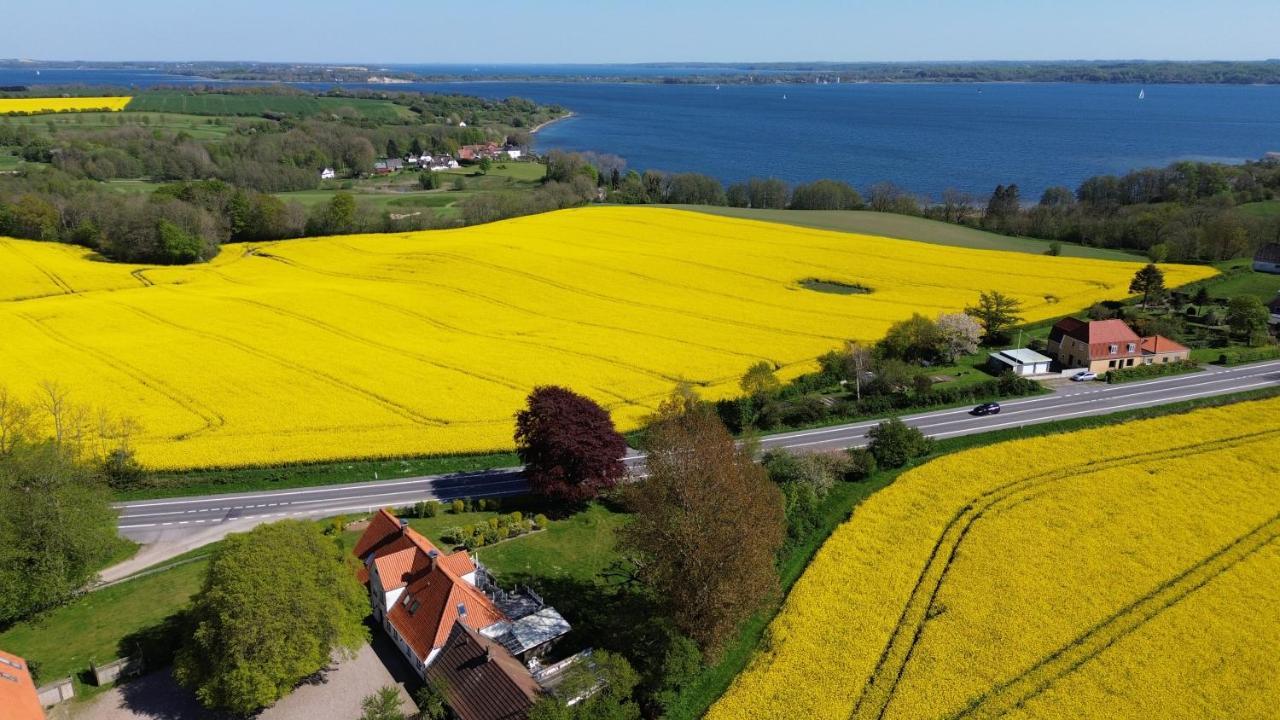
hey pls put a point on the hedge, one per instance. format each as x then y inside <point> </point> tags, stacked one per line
<point>1143,372</point>
<point>1239,356</point>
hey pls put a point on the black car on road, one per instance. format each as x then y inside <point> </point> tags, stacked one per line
<point>990,408</point>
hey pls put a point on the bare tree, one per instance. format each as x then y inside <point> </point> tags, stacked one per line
<point>16,421</point>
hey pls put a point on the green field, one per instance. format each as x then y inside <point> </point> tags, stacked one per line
<point>1264,209</point>
<point>256,105</point>
<point>9,162</point>
<point>1238,278</point>
<point>197,126</point>
<point>400,193</point>
<point>908,227</point>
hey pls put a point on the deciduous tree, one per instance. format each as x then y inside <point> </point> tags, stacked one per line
<point>958,334</point>
<point>708,524</point>
<point>998,313</point>
<point>1247,317</point>
<point>894,443</point>
<point>276,603</point>
<point>568,444</point>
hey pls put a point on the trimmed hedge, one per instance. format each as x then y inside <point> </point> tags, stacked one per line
<point>1143,372</point>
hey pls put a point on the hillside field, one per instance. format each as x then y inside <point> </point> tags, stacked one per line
<point>427,343</point>
<point>254,105</point>
<point>60,104</point>
<point>1122,572</point>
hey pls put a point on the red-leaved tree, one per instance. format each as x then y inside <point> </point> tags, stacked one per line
<point>568,444</point>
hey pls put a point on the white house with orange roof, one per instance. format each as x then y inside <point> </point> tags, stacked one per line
<point>419,594</point>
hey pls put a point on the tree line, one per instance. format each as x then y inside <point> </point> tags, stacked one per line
<point>1188,211</point>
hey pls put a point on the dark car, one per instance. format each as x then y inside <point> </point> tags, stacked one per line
<point>987,409</point>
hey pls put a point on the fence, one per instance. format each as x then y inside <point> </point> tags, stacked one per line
<point>56,692</point>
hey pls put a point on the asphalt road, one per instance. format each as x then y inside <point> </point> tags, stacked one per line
<point>183,523</point>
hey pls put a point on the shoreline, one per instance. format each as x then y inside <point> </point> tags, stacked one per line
<point>552,121</point>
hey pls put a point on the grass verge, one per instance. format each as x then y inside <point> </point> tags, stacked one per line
<point>205,482</point>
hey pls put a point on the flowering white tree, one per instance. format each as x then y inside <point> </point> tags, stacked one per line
<point>958,334</point>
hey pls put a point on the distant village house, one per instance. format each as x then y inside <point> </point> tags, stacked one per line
<point>1102,345</point>
<point>328,174</point>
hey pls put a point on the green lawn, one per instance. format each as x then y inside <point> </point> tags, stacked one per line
<point>1263,209</point>
<point>132,186</point>
<point>255,105</point>
<point>9,162</point>
<point>907,227</point>
<point>65,640</point>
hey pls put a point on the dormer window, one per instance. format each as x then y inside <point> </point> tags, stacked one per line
<point>1129,347</point>
<point>462,610</point>
<point>1113,349</point>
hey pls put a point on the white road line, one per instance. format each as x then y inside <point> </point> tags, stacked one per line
<point>1060,416</point>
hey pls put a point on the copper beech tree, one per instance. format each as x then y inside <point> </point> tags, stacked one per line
<point>708,524</point>
<point>568,444</point>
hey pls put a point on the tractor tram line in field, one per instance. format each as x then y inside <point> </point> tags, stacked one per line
<point>1127,620</point>
<point>881,686</point>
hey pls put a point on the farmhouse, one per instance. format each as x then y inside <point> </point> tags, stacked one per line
<point>328,174</point>
<point>17,691</point>
<point>1267,259</point>
<point>440,162</point>
<point>447,609</point>
<point>1022,361</point>
<point>1103,345</point>
<point>476,153</point>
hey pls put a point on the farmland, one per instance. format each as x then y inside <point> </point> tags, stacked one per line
<point>426,343</point>
<point>1126,572</point>
<point>258,104</point>
<point>60,104</point>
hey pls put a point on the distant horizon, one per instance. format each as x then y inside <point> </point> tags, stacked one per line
<point>636,63</point>
<point>561,32</point>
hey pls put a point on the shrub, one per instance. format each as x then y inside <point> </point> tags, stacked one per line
<point>504,532</point>
<point>453,535</point>
<point>491,535</point>
<point>1141,372</point>
<point>540,521</point>
<point>457,506</point>
<point>862,464</point>
<point>516,517</point>
<point>894,444</point>
<point>493,523</point>
<point>430,509</point>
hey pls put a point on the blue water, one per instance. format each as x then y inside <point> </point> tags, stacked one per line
<point>925,138</point>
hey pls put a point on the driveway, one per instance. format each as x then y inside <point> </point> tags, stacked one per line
<point>333,695</point>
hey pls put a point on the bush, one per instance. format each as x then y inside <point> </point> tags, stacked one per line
<point>491,535</point>
<point>457,506</point>
<point>453,535</point>
<point>862,464</point>
<point>540,521</point>
<point>894,444</point>
<point>430,509</point>
<point>1237,356</point>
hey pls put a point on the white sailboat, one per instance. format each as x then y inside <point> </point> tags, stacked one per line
<point>1142,94</point>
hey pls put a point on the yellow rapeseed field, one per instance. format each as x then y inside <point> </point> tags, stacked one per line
<point>1130,571</point>
<point>383,345</point>
<point>61,104</point>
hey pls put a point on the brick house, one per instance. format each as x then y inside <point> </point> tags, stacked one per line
<point>447,608</point>
<point>1102,345</point>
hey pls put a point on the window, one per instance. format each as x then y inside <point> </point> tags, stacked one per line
<point>1164,359</point>
<point>1129,362</point>
<point>1113,349</point>
<point>1111,364</point>
<point>1129,347</point>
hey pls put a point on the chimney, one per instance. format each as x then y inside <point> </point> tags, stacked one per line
<point>488,653</point>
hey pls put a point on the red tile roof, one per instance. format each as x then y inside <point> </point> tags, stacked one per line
<point>432,604</point>
<point>481,680</point>
<point>382,527</point>
<point>1099,335</point>
<point>402,557</point>
<point>1159,344</point>
<point>18,699</point>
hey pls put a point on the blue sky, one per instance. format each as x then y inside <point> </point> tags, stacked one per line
<point>597,31</point>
